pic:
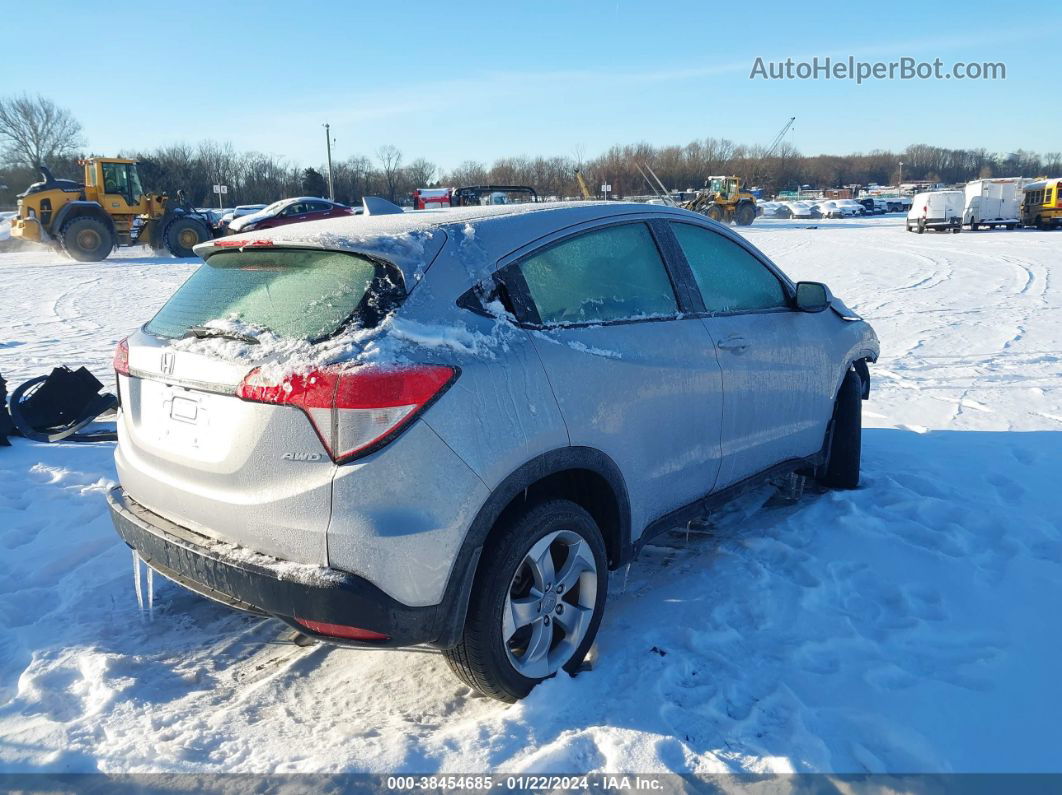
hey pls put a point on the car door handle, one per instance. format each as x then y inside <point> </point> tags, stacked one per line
<point>733,344</point>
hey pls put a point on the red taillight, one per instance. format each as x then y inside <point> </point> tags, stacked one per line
<point>341,630</point>
<point>354,411</point>
<point>121,357</point>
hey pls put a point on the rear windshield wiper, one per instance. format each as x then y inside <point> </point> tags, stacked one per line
<point>206,332</point>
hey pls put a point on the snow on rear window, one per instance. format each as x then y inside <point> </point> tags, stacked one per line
<point>304,294</point>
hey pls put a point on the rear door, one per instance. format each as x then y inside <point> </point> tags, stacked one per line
<point>633,378</point>
<point>251,474</point>
<point>777,375</point>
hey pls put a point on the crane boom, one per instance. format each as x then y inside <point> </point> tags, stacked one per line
<point>778,138</point>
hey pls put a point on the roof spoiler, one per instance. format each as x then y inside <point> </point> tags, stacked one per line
<point>374,205</point>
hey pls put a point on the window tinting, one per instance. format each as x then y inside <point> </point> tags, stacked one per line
<point>730,279</point>
<point>610,274</point>
<point>299,294</point>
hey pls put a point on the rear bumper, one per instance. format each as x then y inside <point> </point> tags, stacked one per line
<point>255,583</point>
<point>943,223</point>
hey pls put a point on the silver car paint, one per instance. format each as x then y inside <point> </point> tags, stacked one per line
<point>398,516</point>
<point>221,472</point>
<point>401,514</point>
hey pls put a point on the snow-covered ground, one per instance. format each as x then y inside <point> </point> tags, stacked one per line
<point>911,625</point>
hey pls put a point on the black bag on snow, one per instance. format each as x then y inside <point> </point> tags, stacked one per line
<point>56,406</point>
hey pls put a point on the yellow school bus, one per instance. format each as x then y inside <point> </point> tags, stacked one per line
<point>1041,205</point>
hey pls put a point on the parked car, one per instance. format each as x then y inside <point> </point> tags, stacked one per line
<point>992,203</point>
<point>831,209</point>
<point>939,210</point>
<point>851,207</point>
<point>239,211</point>
<point>802,209</point>
<point>401,495</point>
<point>871,205</point>
<point>289,211</point>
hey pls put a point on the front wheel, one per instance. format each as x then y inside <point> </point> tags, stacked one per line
<point>86,239</point>
<point>182,234</point>
<point>846,436</point>
<point>536,603</point>
<point>744,215</point>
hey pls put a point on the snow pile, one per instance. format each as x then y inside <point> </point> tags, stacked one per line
<point>910,625</point>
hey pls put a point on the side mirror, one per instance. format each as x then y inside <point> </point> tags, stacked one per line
<point>812,296</point>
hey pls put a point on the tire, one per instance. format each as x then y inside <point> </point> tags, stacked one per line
<point>86,239</point>
<point>181,234</point>
<point>507,669</point>
<point>715,212</point>
<point>1010,227</point>
<point>846,436</point>
<point>744,215</point>
<point>956,229</point>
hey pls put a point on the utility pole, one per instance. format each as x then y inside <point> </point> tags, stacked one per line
<point>899,185</point>
<point>328,145</point>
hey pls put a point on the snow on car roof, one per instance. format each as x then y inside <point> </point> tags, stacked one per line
<point>411,240</point>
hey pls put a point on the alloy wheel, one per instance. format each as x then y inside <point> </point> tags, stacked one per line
<point>550,604</point>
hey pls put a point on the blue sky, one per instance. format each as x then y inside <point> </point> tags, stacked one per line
<point>460,80</point>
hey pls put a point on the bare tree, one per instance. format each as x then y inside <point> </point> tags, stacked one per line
<point>37,131</point>
<point>421,172</point>
<point>390,167</point>
<point>470,172</point>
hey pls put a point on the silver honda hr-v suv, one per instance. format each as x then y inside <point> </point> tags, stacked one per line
<point>446,427</point>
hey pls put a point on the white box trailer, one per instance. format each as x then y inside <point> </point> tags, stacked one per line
<point>993,202</point>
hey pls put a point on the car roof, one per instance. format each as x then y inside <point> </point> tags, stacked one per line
<point>412,239</point>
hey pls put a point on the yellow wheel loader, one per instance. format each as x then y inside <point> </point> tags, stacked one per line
<point>723,199</point>
<point>89,219</point>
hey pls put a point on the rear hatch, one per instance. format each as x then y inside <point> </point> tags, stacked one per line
<point>248,473</point>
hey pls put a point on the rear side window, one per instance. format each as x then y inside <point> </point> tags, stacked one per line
<point>729,277</point>
<point>298,294</point>
<point>609,274</point>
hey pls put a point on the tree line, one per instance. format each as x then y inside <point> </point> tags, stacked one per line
<point>33,130</point>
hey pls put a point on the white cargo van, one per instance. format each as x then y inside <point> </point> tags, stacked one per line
<point>993,202</point>
<point>938,210</point>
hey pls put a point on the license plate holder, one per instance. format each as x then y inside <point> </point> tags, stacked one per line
<point>184,409</point>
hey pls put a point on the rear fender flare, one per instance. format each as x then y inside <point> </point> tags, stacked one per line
<point>451,617</point>
<point>76,209</point>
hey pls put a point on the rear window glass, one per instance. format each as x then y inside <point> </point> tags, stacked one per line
<point>298,294</point>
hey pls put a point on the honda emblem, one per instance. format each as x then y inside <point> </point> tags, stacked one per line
<point>167,363</point>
